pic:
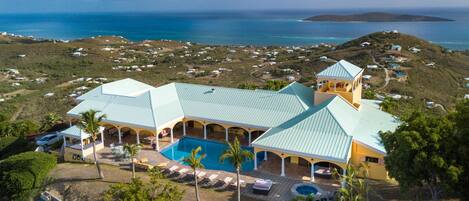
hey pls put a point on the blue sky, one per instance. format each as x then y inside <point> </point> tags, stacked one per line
<point>30,6</point>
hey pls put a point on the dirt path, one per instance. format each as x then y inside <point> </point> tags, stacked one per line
<point>19,91</point>
<point>17,113</point>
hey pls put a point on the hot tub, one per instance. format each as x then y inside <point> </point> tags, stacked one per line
<point>304,189</point>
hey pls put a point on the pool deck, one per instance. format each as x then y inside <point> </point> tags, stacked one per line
<point>280,190</point>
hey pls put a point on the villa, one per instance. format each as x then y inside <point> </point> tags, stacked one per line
<point>319,129</point>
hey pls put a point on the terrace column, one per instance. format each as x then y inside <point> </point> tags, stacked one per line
<point>283,167</point>
<point>312,172</point>
<point>265,155</point>
<point>342,183</point>
<point>102,136</point>
<point>69,123</point>
<point>81,145</point>
<point>138,136</point>
<point>157,142</point>
<point>249,138</point>
<point>205,131</point>
<point>226,134</point>
<point>255,160</point>
<point>120,134</point>
<point>172,139</point>
<point>65,140</point>
<point>184,128</point>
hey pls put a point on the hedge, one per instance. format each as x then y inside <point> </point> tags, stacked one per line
<point>22,175</point>
<point>11,145</point>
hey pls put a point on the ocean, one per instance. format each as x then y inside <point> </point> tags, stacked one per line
<point>236,27</point>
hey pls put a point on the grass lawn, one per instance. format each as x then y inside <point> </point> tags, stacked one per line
<point>75,181</point>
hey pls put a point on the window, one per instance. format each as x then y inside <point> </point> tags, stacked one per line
<point>372,159</point>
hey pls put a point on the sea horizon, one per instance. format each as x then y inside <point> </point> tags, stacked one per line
<point>243,27</point>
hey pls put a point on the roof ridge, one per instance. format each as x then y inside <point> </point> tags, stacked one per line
<point>346,70</point>
<point>152,108</point>
<point>179,99</point>
<point>289,86</point>
<point>335,118</point>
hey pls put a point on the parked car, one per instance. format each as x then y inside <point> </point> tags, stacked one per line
<point>48,139</point>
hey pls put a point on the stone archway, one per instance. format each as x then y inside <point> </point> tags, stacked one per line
<point>269,162</point>
<point>195,128</point>
<point>325,169</point>
<point>240,133</point>
<point>215,132</point>
<point>297,167</point>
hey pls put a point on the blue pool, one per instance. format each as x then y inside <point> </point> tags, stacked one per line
<point>179,150</point>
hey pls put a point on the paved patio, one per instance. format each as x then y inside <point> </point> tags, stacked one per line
<point>267,170</point>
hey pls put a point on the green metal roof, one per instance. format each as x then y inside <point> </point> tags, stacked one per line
<point>313,133</point>
<point>251,108</point>
<point>294,123</point>
<point>75,132</point>
<point>341,70</point>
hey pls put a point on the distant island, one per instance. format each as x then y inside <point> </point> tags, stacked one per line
<point>376,17</point>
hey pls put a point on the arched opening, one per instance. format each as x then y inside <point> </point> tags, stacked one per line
<point>195,129</point>
<point>215,132</point>
<point>256,134</point>
<point>164,137</point>
<point>147,138</point>
<point>128,135</point>
<point>240,133</point>
<point>269,162</point>
<point>325,169</point>
<point>111,134</point>
<point>178,131</point>
<point>297,167</point>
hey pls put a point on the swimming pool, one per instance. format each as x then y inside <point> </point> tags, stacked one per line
<point>179,150</point>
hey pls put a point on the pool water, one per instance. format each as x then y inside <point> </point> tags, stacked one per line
<point>306,190</point>
<point>181,149</point>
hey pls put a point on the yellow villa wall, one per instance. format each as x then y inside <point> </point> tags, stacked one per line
<point>375,170</point>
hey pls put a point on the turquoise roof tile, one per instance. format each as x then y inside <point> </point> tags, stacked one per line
<point>341,70</point>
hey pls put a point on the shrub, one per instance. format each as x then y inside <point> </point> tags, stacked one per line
<point>23,174</point>
<point>11,145</point>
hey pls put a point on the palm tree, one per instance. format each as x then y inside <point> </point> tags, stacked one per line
<point>133,150</point>
<point>89,123</point>
<point>236,155</point>
<point>195,163</point>
<point>354,188</point>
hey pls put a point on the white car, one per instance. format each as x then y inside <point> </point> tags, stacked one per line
<point>48,139</point>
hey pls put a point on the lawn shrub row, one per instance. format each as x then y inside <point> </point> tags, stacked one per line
<point>12,145</point>
<point>22,175</point>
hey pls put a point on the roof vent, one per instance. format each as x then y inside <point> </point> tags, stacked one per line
<point>213,90</point>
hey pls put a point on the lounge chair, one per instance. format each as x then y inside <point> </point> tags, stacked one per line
<point>181,173</point>
<point>242,183</point>
<point>224,183</point>
<point>209,181</point>
<point>170,170</point>
<point>262,186</point>
<point>200,177</point>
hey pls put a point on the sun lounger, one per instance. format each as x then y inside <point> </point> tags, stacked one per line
<point>170,170</point>
<point>262,186</point>
<point>224,183</point>
<point>241,183</point>
<point>200,177</point>
<point>209,181</point>
<point>181,173</point>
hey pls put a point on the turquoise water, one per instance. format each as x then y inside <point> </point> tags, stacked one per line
<point>181,149</point>
<point>306,190</point>
<point>243,27</point>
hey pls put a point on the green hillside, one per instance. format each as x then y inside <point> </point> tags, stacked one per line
<point>47,67</point>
